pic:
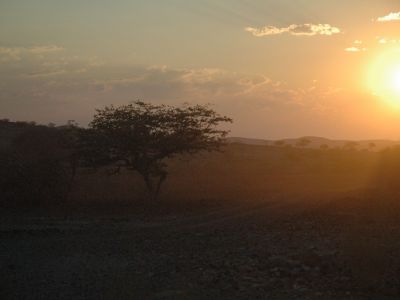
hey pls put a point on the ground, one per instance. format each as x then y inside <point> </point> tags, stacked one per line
<point>272,249</point>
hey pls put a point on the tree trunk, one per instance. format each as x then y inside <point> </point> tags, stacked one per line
<point>153,185</point>
<point>161,179</point>
<point>149,185</point>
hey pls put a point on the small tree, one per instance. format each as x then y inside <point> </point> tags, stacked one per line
<point>280,143</point>
<point>140,136</point>
<point>350,146</point>
<point>324,147</point>
<point>303,142</point>
<point>371,146</point>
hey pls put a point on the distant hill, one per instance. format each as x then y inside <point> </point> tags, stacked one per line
<point>247,141</point>
<point>9,130</point>
<point>316,142</point>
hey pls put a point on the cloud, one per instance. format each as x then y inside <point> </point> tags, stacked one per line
<point>394,16</point>
<point>48,74</point>
<point>393,41</point>
<point>355,49</point>
<point>382,41</point>
<point>264,31</point>
<point>9,54</point>
<point>12,54</point>
<point>57,87</point>
<point>294,29</point>
<point>44,49</point>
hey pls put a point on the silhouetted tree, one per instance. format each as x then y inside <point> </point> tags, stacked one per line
<point>279,143</point>
<point>324,147</point>
<point>38,165</point>
<point>350,145</point>
<point>140,136</point>
<point>371,146</point>
<point>303,142</point>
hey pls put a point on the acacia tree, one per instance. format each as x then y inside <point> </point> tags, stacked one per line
<point>140,136</point>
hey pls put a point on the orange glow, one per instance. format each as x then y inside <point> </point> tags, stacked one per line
<point>384,76</point>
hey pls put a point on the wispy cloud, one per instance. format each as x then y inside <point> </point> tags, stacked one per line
<point>9,54</point>
<point>55,86</point>
<point>355,49</point>
<point>44,49</point>
<point>382,41</point>
<point>47,74</point>
<point>58,86</point>
<point>295,29</point>
<point>394,16</point>
<point>385,41</point>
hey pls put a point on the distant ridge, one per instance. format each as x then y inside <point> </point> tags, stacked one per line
<point>248,141</point>
<point>316,142</point>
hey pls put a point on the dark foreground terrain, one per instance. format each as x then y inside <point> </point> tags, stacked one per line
<point>342,248</point>
<point>253,222</point>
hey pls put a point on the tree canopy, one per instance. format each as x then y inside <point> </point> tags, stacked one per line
<point>140,136</point>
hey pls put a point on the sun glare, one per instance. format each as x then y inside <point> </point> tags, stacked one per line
<point>396,80</point>
<point>384,76</point>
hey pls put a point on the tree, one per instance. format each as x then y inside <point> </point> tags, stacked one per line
<point>350,146</point>
<point>324,147</point>
<point>280,143</point>
<point>140,136</point>
<point>303,142</point>
<point>371,146</point>
<point>38,165</point>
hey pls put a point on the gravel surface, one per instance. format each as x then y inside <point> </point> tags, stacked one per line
<point>272,250</point>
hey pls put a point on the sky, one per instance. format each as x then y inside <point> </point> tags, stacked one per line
<point>279,68</point>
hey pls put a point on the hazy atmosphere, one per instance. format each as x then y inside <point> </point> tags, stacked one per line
<point>200,149</point>
<point>278,68</point>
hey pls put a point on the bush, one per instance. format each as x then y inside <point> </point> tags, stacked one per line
<point>38,167</point>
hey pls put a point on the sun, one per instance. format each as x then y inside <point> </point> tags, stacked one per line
<point>384,76</point>
<point>395,83</point>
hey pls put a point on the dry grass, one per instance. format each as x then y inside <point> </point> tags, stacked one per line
<point>240,173</point>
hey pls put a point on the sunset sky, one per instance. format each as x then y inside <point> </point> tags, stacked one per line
<point>279,68</point>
